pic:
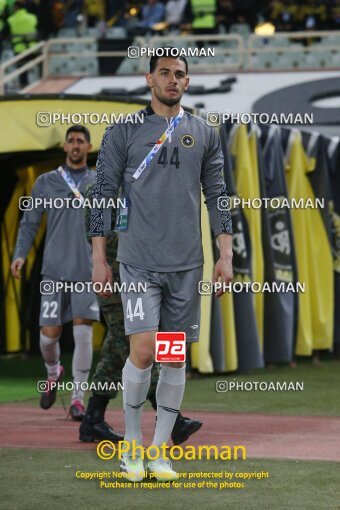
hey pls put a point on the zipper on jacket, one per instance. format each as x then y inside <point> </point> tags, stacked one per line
<point>169,124</point>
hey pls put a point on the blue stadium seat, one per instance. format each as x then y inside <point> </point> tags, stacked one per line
<point>116,33</point>
<point>264,60</point>
<point>242,29</point>
<point>128,66</point>
<point>67,32</point>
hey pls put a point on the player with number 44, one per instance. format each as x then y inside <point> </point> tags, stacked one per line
<point>162,165</point>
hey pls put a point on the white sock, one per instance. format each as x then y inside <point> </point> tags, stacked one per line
<point>136,386</point>
<point>82,358</point>
<point>50,350</point>
<point>169,395</point>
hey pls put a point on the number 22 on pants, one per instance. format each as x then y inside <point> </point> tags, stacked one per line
<point>137,312</point>
<point>50,309</point>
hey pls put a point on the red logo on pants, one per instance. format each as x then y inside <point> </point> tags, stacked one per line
<point>170,347</point>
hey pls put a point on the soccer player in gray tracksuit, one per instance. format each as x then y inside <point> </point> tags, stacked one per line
<point>160,241</point>
<point>67,258</point>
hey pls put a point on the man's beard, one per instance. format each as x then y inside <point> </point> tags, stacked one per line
<point>169,101</point>
<point>76,159</point>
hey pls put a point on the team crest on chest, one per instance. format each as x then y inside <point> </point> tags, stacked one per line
<point>187,141</point>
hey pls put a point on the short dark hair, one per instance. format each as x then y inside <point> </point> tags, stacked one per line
<point>167,53</point>
<point>79,129</point>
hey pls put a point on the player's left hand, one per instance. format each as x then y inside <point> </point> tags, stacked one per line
<point>102,274</point>
<point>223,273</point>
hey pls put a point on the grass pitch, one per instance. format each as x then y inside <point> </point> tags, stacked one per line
<point>320,395</point>
<point>46,479</point>
<point>41,479</point>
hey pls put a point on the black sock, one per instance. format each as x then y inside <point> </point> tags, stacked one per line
<point>97,405</point>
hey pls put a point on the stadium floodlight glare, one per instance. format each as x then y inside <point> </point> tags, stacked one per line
<point>265,29</point>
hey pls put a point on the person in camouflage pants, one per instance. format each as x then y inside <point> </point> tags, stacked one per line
<point>113,355</point>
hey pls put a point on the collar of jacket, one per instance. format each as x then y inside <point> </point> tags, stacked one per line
<point>148,110</point>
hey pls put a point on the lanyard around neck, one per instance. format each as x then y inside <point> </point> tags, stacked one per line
<point>158,145</point>
<point>70,182</point>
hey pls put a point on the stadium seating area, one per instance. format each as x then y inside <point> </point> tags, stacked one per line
<point>74,56</point>
<point>246,35</point>
<point>252,53</point>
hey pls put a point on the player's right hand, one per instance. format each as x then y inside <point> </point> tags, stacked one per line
<point>16,267</point>
<point>102,274</point>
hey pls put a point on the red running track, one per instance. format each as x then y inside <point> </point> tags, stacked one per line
<point>263,435</point>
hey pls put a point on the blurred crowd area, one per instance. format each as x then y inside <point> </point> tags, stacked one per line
<point>23,23</point>
<point>146,17</point>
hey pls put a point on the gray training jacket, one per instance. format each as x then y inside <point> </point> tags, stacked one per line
<point>67,254</point>
<point>164,230</point>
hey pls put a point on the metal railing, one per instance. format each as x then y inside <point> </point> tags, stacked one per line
<point>233,52</point>
<point>40,59</point>
<point>296,45</point>
<point>45,53</point>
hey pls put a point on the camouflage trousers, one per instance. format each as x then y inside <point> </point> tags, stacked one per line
<point>115,351</point>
